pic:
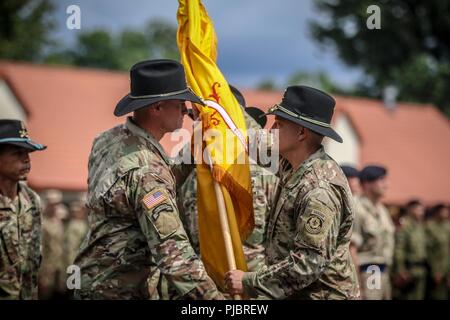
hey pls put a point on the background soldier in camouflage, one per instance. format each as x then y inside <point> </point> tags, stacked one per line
<point>410,254</point>
<point>309,228</point>
<point>135,231</point>
<point>51,274</point>
<point>373,234</point>
<point>438,252</point>
<point>75,232</point>
<point>20,215</point>
<point>264,183</point>
<point>352,175</point>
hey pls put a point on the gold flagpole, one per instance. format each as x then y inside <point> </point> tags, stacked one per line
<point>224,225</point>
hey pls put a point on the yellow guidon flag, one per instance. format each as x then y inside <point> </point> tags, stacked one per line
<point>226,146</point>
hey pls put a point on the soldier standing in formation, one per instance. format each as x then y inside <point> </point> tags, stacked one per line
<point>373,235</point>
<point>410,269</point>
<point>51,274</point>
<point>20,215</point>
<point>438,252</point>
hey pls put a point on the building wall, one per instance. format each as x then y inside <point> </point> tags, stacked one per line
<point>347,152</point>
<point>9,106</point>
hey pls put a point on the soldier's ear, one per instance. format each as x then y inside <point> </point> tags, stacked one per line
<point>301,133</point>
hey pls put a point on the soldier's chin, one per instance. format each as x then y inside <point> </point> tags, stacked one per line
<point>23,177</point>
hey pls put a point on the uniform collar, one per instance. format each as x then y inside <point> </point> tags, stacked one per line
<point>24,200</point>
<point>294,176</point>
<point>139,132</point>
<point>370,206</point>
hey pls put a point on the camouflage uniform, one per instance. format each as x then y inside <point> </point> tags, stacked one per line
<point>20,240</point>
<point>438,251</point>
<point>410,257</point>
<point>447,224</point>
<point>75,233</point>
<point>373,236</point>
<point>308,236</point>
<point>50,274</point>
<point>263,184</point>
<point>135,232</point>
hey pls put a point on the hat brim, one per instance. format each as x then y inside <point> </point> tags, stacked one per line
<point>27,144</point>
<point>127,104</point>
<point>325,131</point>
<point>258,115</point>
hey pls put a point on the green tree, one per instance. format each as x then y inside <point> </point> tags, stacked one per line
<point>267,85</point>
<point>411,50</point>
<point>162,39</point>
<point>25,27</point>
<point>319,80</point>
<point>102,49</point>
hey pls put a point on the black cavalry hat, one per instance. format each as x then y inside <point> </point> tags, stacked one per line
<point>155,80</point>
<point>256,113</point>
<point>309,107</point>
<point>14,132</point>
<point>238,95</point>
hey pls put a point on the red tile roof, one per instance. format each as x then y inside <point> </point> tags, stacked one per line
<point>67,107</point>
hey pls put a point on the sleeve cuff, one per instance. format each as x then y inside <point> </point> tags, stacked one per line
<point>248,282</point>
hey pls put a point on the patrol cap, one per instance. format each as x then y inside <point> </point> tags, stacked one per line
<point>350,172</point>
<point>372,173</point>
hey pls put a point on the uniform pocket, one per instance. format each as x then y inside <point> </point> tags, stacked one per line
<point>10,243</point>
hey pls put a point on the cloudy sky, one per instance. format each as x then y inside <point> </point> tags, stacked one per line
<point>258,39</point>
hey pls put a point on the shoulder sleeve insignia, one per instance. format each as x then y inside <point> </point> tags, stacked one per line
<point>154,198</point>
<point>314,224</point>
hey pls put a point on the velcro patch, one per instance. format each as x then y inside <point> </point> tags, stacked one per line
<point>314,223</point>
<point>154,198</point>
<point>164,207</point>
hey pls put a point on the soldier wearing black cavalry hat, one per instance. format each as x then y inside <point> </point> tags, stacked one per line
<point>20,214</point>
<point>310,224</point>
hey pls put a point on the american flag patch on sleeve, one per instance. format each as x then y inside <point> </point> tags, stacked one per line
<point>153,198</point>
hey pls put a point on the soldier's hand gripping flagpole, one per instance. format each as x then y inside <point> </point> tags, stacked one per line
<point>225,227</point>
<point>227,217</point>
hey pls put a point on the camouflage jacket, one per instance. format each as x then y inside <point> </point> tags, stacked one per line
<point>135,231</point>
<point>308,236</point>
<point>75,232</point>
<point>20,240</point>
<point>51,271</point>
<point>410,247</point>
<point>373,233</point>
<point>438,246</point>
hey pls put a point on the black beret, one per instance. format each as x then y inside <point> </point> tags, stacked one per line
<point>372,173</point>
<point>350,172</point>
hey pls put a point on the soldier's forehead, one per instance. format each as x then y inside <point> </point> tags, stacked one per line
<point>11,148</point>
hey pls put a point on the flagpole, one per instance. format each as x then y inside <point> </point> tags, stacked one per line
<point>224,225</point>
